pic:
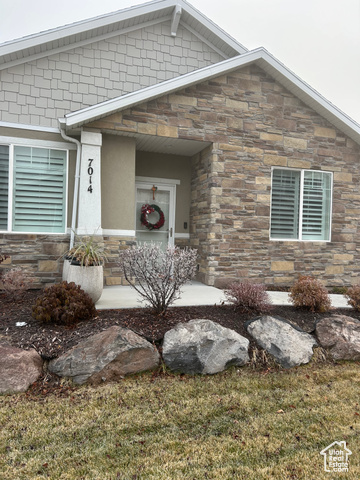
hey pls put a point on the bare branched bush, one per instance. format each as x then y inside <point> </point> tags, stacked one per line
<point>15,282</point>
<point>353,297</point>
<point>158,275</point>
<point>248,297</point>
<point>309,293</point>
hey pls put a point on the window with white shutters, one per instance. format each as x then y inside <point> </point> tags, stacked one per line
<point>301,205</point>
<point>4,186</point>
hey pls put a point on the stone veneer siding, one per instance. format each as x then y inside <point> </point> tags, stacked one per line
<point>254,124</point>
<point>40,256</point>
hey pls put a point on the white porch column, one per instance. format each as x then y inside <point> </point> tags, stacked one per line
<point>89,211</point>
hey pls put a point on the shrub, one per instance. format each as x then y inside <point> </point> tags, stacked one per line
<point>3,257</point>
<point>339,290</point>
<point>248,297</point>
<point>15,282</point>
<point>353,297</point>
<point>309,293</point>
<point>63,303</point>
<point>158,275</point>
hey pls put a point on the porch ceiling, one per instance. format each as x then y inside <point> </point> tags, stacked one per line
<point>172,146</point>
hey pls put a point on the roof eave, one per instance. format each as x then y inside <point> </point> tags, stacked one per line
<point>52,35</point>
<point>259,56</point>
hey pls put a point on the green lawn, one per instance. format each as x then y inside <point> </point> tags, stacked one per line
<point>241,424</point>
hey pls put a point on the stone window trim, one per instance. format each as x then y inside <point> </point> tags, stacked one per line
<point>46,173</point>
<point>301,205</point>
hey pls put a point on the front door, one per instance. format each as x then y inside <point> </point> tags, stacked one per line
<point>155,212</point>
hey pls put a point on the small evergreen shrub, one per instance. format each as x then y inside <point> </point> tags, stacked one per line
<point>14,282</point>
<point>311,294</point>
<point>353,297</point>
<point>248,297</point>
<point>63,303</point>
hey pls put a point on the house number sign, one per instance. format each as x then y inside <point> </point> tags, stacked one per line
<point>90,172</point>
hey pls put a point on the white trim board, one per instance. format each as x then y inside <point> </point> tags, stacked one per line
<point>32,142</point>
<point>118,233</point>
<point>23,126</point>
<point>82,43</point>
<point>182,235</point>
<point>22,50</point>
<point>161,181</point>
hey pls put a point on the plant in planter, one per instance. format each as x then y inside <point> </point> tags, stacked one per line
<point>83,265</point>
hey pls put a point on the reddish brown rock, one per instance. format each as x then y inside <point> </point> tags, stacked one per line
<point>341,335</point>
<point>106,356</point>
<point>18,369</point>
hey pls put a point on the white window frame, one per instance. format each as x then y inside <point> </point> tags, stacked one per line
<point>13,142</point>
<point>302,174</point>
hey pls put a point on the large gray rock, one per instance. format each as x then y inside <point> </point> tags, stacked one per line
<point>106,356</point>
<point>341,335</point>
<point>289,345</point>
<point>203,346</point>
<point>18,368</point>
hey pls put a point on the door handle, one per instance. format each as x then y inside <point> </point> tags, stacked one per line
<point>170,232</point>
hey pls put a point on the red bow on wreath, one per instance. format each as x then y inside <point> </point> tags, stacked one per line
<point>147,210</point>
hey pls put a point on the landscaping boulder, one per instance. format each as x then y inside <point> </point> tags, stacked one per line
<point>18,368</point>
<point>203,346</point>
<point>341,335</point>
<point>106,356</point>
<point>289,345</point>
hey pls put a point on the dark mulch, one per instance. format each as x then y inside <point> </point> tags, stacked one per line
<point>50,341</point>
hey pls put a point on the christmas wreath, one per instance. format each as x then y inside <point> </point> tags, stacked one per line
<point>147,210</point>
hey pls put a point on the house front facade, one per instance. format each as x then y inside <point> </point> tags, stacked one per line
<point>157,106</point>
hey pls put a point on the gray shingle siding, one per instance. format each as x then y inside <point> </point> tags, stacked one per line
<point>43,90</point>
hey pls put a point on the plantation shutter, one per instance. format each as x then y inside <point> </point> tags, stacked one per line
<point>39,190</point>
<point>316,206</point>
<point>4,186</point>
<point>285,199</point>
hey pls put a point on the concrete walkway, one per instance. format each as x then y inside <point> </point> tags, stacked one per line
<point>194,293</point>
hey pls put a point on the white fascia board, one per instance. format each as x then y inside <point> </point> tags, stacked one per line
<point>305,92</point>
<point>22,126</point>
<point>154,91</point>
<point>260,56</point>
<point>84,25</point>
<point>114,17</point>
<point>82,43</point>
<point>213,27</point>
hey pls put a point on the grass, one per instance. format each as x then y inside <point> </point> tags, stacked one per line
<point>241,424</point>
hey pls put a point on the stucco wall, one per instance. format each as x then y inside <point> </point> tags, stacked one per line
<point>254,124</point>
<point>118,183</point>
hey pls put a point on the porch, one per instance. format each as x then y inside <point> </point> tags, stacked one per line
<point>194,293</point>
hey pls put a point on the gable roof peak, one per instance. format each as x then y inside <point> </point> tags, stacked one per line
<point>68,36</point>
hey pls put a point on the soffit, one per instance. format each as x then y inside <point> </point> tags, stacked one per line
<point>172,146</point>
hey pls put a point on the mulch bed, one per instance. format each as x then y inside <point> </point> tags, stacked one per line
<point>51,341</point>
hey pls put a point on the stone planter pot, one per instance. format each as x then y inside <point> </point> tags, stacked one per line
<point>90,279</point>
